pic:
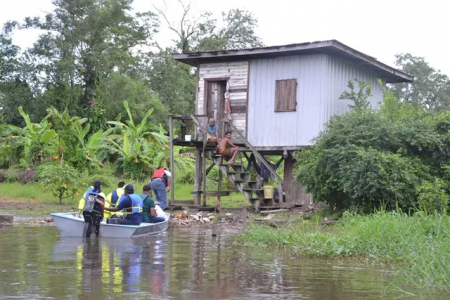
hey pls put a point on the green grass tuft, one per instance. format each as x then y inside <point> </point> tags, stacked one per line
<point>419,245</point>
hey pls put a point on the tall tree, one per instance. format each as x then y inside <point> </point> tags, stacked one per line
<point>173,81</point>
<point>202,32</point>
<point>84,41</point>
<point>430,89</point>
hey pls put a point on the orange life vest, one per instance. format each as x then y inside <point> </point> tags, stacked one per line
<point>161,174</point>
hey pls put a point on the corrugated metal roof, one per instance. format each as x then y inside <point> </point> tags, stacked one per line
<point>331,47</point>
<point>257,48</point>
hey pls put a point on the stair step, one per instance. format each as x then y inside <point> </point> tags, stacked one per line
<point>213,193</point>
<point>233,166</point>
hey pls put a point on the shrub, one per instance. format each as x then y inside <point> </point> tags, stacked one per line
<point>61,179</point>
<point>367,158</point>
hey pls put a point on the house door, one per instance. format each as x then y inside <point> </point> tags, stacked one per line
<point>216,102</point>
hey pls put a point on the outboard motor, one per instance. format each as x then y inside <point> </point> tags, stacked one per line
<point>93,213</point>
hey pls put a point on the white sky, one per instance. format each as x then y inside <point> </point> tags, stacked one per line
<point>378,28</point>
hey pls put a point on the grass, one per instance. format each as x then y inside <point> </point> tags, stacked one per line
<point>33,200</point>
<point>418,244</point>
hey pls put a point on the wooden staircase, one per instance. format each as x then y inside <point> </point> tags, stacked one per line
<point>242,181</point>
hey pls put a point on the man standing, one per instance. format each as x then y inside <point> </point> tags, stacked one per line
<point>227,148</point>
<point>131,206</point>
<point>213,130</point>
<point>149,214</point>
<point>160,184</point>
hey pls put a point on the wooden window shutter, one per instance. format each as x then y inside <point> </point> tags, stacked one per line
<point>285,95</point>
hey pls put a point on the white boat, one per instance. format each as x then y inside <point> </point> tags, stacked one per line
<point>72,224</point>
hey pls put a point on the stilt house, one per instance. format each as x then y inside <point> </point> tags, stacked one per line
<point>275,100</point>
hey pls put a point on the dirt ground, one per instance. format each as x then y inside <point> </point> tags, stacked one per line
<point>35,213</point>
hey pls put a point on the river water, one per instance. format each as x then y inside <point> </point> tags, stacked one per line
<point>36,263</point>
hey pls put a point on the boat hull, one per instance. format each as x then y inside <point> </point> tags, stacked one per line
<point>72,224</point>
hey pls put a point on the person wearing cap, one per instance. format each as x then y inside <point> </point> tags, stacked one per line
<point>160,184</point>
<point>131,206</point>
<point>149,214</point>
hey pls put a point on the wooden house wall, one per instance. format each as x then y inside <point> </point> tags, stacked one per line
<point>237,75</point>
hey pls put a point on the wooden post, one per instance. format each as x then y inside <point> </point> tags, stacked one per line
<point>204,168</point>
<point>219,188</point>
<point>244,216</point>
<point>198,175</point>
<point>172,167</point>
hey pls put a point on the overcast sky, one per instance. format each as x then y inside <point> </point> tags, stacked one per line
<point>378,28</point>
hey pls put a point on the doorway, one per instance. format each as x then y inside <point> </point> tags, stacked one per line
<point>215,102</point>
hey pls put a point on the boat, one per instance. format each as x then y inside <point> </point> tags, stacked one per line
<point>72,224</point>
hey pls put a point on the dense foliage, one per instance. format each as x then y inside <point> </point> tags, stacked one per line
<point>397,155</point>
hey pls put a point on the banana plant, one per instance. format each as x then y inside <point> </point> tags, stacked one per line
<point>66,128</point>
<point>90,147</point>
<point>39,141</point>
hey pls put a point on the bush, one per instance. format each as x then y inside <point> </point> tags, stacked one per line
<point>11,177</point>
<point>60,178</point>
<point>367,158</point>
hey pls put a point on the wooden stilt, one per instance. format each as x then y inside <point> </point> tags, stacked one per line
<point>219,189</point>
<point>198,176</point>
<point>172,167</point>
<point>204,168</point>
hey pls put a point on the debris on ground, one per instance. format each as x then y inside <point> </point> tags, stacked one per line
<point>185,219</point>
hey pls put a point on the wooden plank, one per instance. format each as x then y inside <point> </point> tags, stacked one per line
<point>295,192</point>
<point>198,175</point>
<point>240,102</point>
<point>275,211</point>
<point>172,166</point>
<point>239,109</point>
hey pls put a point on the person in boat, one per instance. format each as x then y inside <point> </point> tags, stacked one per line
<point>130,205</point>
<point>227,149</point>
<point>160,184</point>
<point>113,198</point>
<point>149,214</point>
<point>115,195</point>
<point>96,188</point>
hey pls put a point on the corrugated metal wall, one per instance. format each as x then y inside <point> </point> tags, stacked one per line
<point>321,80</point>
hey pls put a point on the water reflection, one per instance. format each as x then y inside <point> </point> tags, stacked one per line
<point>36,263</point>
<point>115,265</point>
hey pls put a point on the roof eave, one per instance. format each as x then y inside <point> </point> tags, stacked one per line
<point>194,59</point>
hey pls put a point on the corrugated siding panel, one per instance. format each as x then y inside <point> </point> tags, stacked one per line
<point>321,80</point>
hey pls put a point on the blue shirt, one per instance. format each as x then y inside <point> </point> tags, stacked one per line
<point>212,130</point>
<point>125,202</point>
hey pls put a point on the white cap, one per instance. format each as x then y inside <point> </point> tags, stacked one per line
<point>168,173</point>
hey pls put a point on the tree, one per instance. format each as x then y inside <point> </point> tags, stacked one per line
<point>8,51</point>
<point>172,81</point>
<point>238,32</point>
<point>430,89</point>
<point>60,178</point>
<point>85,41</point>
<point>118,88</point>
<point>203,33</point>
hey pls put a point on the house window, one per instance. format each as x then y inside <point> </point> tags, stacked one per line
<point>285,95</point>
